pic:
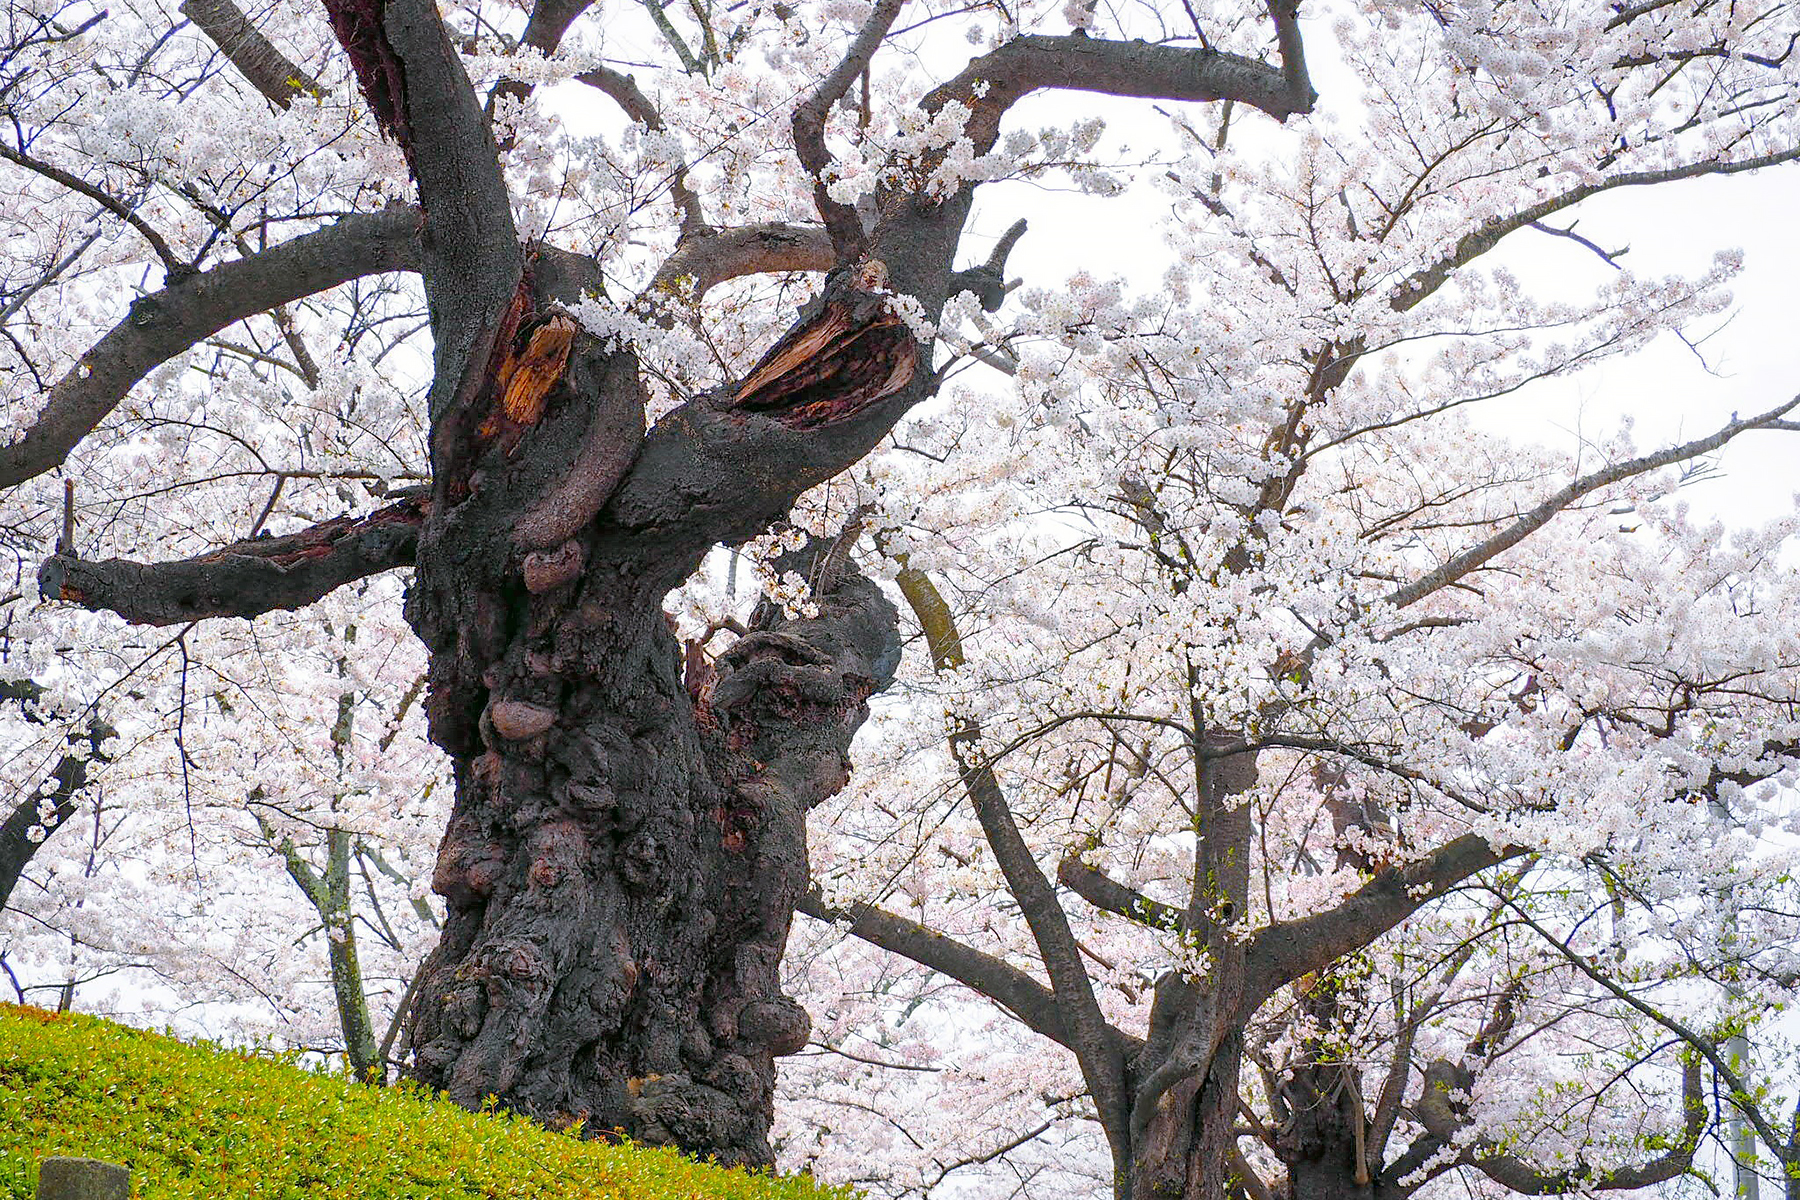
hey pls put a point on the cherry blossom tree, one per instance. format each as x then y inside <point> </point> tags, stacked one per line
<point>1214,726</point>
<point>1253,681</point>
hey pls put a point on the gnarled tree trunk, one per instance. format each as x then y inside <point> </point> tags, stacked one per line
<point>627,844</point>
<point>624,859</point>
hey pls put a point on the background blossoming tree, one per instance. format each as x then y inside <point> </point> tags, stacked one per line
<point>1267,728</point>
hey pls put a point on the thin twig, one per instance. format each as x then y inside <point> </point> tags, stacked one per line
<point>111,203</point>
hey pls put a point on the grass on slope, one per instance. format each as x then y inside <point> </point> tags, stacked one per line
<point>201,1122</point>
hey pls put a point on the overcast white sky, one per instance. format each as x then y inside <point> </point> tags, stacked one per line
<point>1752,358</point>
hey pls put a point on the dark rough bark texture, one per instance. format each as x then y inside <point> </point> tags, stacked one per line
<point>624,858</point>
<point>627,845</point>
<point>245,578</point>
<point>1320,1149</point>
<point>1185,1153</point>
<point>1321,1125</point>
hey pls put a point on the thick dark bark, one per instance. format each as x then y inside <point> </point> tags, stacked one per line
<point>1185,1147</point>
<point>628,846</point>
<point>1320,1122</point>
<point>1322,1140</point>
<point>244,579</point>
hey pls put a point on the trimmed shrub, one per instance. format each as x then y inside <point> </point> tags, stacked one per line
<point>210,1123</point>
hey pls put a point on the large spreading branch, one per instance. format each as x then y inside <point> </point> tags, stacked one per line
<point>1109,895</point>
<point>1445,1123</point>
<point>1033,1003</point>
<point>267,69</point>
<point>819,400</point>
<point>244,579</point>
<point>1472,245</point>
<point>710,257</point>
<point>1282,952</point>
<point>993,83</point>
<point>1098,1047</point>
<point>189,310</point>
<point>916,240</point>
<point>1095,1042</point>
<point>1559,501</point>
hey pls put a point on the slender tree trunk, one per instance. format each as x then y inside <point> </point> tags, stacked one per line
<point>1183,1138</point>
<point>1186,1153</point>
<point>360,1047</point>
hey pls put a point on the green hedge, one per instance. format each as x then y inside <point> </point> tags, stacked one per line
<point>211,1123</point>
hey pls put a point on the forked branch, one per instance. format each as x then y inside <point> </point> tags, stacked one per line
<point>993,83</point>
<point>809,123</point>
<point>1472,558</point>
<point>1282,952</point>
